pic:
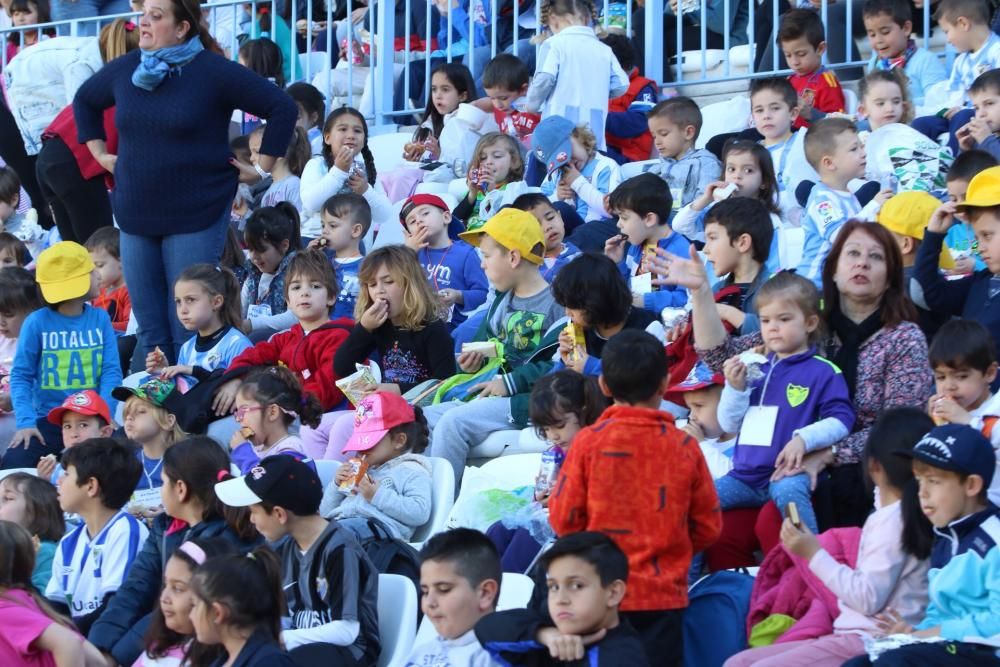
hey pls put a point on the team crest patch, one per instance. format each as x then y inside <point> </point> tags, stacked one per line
<point>321,586</point>
<point>540,153</point>
<point>562,157</point>
<point>257,472</point>
<point>81,399</point>
<point>796,394</point>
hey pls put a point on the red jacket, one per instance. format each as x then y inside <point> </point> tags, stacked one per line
<point>308,356</point>
<point>637,148</point>
<point>64,127</point>
<point>638,478</point>
<point>823,87</point>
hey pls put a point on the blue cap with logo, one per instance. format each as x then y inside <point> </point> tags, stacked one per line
<point>958,448</point>
<point>550,142</point>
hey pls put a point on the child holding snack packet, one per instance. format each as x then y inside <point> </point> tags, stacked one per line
<point>386,482</point>
<point>269,401</point>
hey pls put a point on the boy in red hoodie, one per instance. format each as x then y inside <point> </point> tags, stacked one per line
<point>308,348</point>
<point>640,479</point>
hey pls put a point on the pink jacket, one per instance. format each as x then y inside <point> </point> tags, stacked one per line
<point>785,585</point>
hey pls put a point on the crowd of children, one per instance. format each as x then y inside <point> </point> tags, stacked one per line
<point>779,343</point>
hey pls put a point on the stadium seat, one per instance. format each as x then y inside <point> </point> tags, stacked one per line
<point>326,469</point>
<point>387,149</point>
<point>311,64</point>
<point>505,443</point>
<point>635,168</point>
<point>442,498</point>
<point>397,619</point>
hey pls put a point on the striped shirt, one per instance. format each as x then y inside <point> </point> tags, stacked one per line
<point>968,66</point>
<point>826,212</point>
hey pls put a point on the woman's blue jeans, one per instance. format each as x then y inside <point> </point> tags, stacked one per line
<point>152,265</point>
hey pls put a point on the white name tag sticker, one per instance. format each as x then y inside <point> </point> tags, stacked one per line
<point>258,310</point>
<point>758,426</point>
<point>147,498</point>
<point>642,283</point>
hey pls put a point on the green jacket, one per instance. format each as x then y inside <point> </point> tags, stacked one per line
<point>520,380</point>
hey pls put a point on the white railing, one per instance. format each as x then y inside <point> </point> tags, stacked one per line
<point>236,19</point>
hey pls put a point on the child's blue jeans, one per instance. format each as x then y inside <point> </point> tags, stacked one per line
<point>733,493</point>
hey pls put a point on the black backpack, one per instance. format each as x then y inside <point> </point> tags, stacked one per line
<point>392,556</point>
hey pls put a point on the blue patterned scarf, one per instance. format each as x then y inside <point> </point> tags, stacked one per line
<point>154,66</point>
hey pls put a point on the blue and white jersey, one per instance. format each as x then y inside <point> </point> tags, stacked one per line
<point>968,66</point>
<point>349,284</point>
<point>214,352</point>
<point>85,569</point>
<point>826,212</point>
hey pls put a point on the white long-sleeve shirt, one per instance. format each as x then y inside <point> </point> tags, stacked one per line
<point>320,182</point>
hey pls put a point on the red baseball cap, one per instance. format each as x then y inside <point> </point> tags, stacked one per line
<point>87,402</point>
<point>376,414</point>
<point>419,200</point>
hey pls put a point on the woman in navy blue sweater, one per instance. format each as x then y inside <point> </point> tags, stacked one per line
<point>174,177</point>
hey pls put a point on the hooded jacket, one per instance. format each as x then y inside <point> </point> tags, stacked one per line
<point>308,355</point>
<point>402,502</point>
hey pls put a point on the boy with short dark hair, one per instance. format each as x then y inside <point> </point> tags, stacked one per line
<point>837,155</point>
<point>524,317</point>
<point>889,24</point>
<point>585,573</point>
<point>966,23</point>
<point>558,251</point>
<point>345,219</point>
<point>643,206</point>
<point>69,346</point>
<point>104,247</point>
<point>954,465</point>
<point>452,266</point>
<point>459,584</point>
<point>971,297</point>
<point>802,38</point>
<point>505,81</point>
<point>331,587</point>
<point>673,511</point>
<point>627,129</point>
<point>675,124</point>
<point>739,238</point>
<point>961,239</point>
<point>16,217</point>
<point>963,359</point>
<point>774,106</point>
<point>94,559</point>
<point>981,130</point>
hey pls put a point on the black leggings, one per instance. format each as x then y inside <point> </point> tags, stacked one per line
<point>80,206</point>
<point>13,153</point>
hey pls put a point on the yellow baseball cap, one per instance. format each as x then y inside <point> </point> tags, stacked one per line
<point>513,229</point>
<point>63,272</point>
<point>908,213</point>
<point>984,190</point>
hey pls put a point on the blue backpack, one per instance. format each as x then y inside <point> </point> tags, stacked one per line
<point>716,617</point>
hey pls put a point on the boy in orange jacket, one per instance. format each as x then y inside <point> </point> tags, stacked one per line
<point>638,478</point>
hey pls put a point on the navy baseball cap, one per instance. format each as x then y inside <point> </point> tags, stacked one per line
<point>958,448</point>
<point>282,480</point>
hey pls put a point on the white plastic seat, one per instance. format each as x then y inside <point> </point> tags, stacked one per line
<point>397,619</point>
<point>506,443</point>
<point>326,469</point>
<point>850,101</point>
<point>387,149</point>
<point>515,592</point>
<point>312,63</point>
<point>442,499</point>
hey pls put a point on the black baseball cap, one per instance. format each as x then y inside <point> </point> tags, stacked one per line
<point>958,448</point>
<point>282,480</point>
